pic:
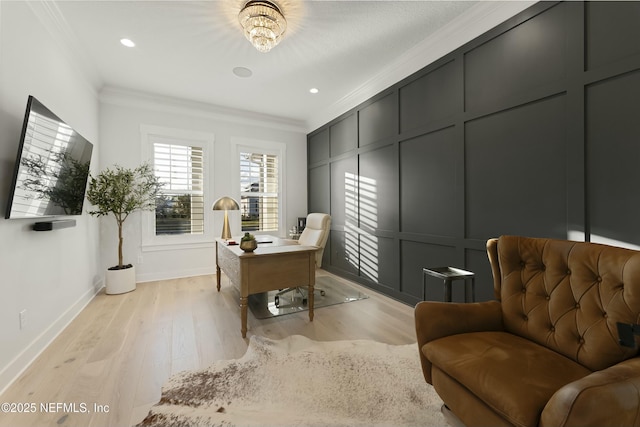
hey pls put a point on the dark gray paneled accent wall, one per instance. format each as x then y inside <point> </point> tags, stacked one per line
<point>428,184</point>
<point>613,156</point>
<point>530,129</point>
<point>515,171</point>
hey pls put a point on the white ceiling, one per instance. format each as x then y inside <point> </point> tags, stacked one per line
<point>187,50</point>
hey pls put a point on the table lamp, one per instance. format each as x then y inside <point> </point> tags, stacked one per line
<point>225,204</point>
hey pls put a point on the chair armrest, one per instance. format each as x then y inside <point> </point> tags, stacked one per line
<point>610,397</point>
<point>439,319</point>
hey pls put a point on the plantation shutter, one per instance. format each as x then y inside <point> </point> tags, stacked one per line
<point>180,209</point>
<point>259,191</point>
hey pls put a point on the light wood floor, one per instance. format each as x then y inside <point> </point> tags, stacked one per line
<point>121,349</point>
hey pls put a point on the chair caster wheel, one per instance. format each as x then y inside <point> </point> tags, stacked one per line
<point>277,300</point>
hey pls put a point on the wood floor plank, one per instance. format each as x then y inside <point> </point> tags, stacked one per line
<point>120,349</point>
<point>120,390</point>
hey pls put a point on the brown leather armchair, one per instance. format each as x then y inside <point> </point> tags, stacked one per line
<point>546,351</point>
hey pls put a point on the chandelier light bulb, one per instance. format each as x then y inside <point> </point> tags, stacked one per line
<point>263,24</point>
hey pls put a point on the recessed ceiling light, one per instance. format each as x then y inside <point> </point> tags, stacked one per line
<point>313,90</point>
<point>242,72</point>
<point>127,43</point>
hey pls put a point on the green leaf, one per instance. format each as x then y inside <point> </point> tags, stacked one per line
<point>121,191</point>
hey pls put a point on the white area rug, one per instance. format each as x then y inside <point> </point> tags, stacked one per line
<point>300,382</point>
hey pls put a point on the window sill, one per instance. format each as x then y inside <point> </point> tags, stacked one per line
<point>173,246</point>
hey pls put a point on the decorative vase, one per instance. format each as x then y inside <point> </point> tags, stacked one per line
<point>248,245</point>
<point>120,281</point>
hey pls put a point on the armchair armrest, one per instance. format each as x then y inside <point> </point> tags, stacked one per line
<point>610,397</point>
<point>437,319</point>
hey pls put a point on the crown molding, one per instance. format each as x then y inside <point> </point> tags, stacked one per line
<point>476,21</point>
<point>479,19</point>
<point>148,101</point>
<point>54,21</point>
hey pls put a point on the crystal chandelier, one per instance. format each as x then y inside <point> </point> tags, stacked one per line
<point>263,24</point>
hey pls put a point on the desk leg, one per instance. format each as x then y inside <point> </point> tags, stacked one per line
<point>311,301</point>
<point>243,315</point>
<point>218,277</point>
<point>312,284</point>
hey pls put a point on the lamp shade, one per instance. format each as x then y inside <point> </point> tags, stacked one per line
<point>225,204</point>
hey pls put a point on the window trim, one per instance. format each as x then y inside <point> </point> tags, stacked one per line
<point>279,149</point>
<point>152,242</point>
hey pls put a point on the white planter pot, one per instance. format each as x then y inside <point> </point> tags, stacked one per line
<point>120,281</point>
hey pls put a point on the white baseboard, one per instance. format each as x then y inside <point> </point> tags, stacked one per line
<point>23,360</point>
<point>167,275</point>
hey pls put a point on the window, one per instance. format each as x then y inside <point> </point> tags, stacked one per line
<point>180,208</point>
<point>182,161</point>
<point>259,191</point>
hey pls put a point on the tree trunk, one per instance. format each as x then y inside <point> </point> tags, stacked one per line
<point>120,264</point>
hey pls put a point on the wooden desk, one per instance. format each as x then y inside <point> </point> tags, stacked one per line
<point>278,265</point>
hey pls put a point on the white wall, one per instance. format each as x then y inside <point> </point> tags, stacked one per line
<point>51,275</point>
<point>123,113</point>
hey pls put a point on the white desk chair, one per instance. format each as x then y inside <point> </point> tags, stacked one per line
<point>315,233</point>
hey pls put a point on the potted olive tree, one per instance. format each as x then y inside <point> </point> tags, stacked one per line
<point>119,191</point>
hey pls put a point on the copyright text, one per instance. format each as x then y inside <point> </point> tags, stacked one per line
<point>52,407</point>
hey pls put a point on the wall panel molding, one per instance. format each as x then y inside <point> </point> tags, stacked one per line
<point>528,129</point>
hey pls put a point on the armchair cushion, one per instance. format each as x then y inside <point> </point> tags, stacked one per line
<point>436,320</point>
<point>513,376</point>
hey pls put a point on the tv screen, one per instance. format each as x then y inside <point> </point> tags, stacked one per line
<point>52,167</point>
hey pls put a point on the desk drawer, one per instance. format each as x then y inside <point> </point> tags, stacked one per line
<point>278,271</point>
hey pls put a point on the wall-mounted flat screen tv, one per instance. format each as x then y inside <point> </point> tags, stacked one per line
<point>52,167</point>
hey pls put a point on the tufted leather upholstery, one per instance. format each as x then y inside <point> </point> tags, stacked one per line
<point>546,350</point>
<point>568,296</point>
